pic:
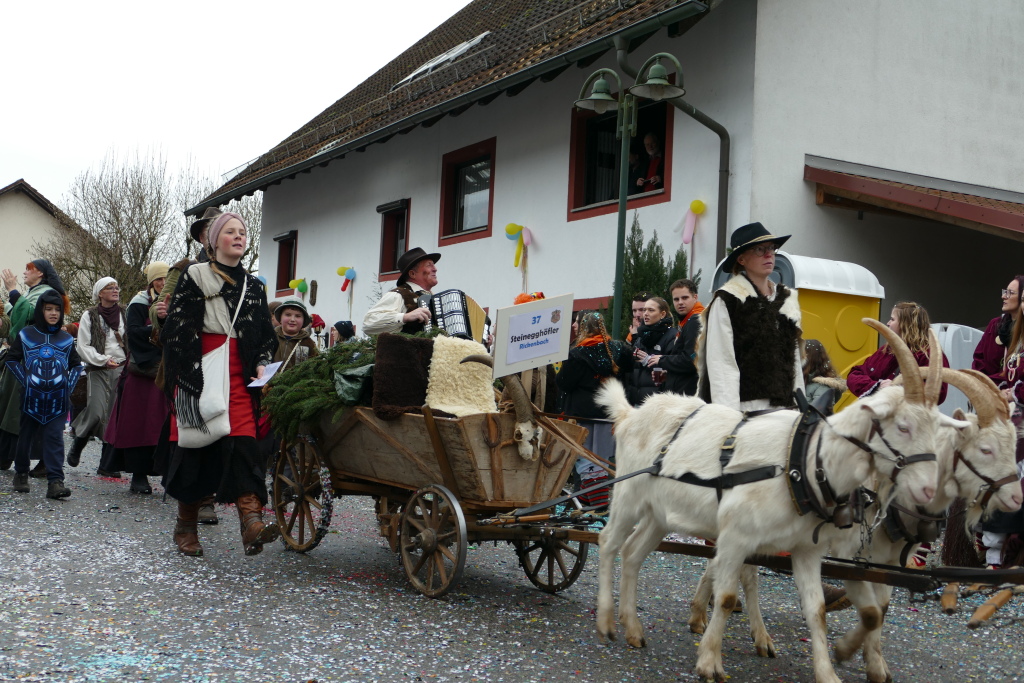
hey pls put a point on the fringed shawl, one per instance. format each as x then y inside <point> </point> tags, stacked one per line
<point>183,327</point>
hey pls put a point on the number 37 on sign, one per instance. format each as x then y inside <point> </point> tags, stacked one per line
<point>532,334</point>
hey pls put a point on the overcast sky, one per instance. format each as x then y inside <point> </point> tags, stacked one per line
<point>219,82</point>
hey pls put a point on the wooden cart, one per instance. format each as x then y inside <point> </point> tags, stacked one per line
<point>434,480</point>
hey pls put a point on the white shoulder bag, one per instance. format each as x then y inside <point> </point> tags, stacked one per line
<point>213,401</point>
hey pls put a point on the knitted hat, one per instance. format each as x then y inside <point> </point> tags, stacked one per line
<point>155,271</point>
<point>297,304</point>
<point>345,328</point>
<point>218,224</point>
<point>100,285</point>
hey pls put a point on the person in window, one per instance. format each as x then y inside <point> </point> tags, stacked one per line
<point>399,310</point>
<point>636,172</point>
<point>199,320</point>
<point>652,180</point>
<point>652,340</point>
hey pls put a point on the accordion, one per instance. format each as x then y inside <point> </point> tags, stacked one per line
<point>457,314</point>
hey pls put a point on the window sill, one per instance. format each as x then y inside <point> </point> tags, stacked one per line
<point>387,277</point>
<point>283,292</point>
<point>635,201</point>
<point>465,236</point>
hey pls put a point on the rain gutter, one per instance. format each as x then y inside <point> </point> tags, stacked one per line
<point>683,10</point>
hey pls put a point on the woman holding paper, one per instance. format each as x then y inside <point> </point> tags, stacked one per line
<point>217,306</point>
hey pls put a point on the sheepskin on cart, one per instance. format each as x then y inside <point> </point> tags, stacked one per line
<point>438,456</point>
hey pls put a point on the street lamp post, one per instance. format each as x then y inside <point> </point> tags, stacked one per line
<point>655,87</point>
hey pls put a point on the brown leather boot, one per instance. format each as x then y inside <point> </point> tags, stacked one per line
<point>254,532</point>
<point>186,535</point>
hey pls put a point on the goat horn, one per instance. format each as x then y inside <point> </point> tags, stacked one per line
<point>995,406</point>
<point>933,385</point>
<point>976,393</point>
<point>520,399</point>
<point>913,383</point>
<point>479,358</point>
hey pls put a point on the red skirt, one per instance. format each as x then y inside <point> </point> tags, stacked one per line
<point>243,422</point>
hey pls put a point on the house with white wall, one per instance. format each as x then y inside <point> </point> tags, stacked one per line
<point>885,134</point>
<point>27,218</point>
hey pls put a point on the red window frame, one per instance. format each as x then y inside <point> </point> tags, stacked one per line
<point>576,210</point>
<point>450,163</point>
<point>287,257</point>
<point>389,214</point>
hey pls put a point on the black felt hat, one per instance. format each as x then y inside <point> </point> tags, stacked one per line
<point>410,258</point>
<point>747,237</point>
<point>196,229</point>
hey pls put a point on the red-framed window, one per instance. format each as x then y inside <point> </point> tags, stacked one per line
<point>594,161</point>
<point>467,193</point>
<point>394,236</point>
<point>287,253</point>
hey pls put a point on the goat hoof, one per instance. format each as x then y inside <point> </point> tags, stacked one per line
<point>637,642</point>
<point>766,651</point>
<point>698,625</point>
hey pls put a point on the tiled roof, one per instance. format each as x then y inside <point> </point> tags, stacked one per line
<point>524,35</point>
<point>942,204</point>
<point>32,193</point>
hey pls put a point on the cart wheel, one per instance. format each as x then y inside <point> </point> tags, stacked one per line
<point>303,496</point>
<point>553,564</point>
<point>432,540</point>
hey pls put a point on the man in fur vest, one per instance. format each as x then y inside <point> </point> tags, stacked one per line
<point>101,345</point>
<point>399,310</point>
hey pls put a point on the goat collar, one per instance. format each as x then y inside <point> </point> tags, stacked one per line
<point>990,486</point>
<point>900,461</point>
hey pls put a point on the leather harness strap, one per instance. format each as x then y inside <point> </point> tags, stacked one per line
<point>897,529</point>
<point>724,481</point>
<point>901,461</point>
<point>991,485</point>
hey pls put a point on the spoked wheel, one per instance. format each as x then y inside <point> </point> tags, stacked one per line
<point>553,564</point>
<point>432,540</point>
<point>303,496</point>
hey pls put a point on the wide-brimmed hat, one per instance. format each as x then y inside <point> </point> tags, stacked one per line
<point>297,304</point>
<point>196,229</point>
<point>747,237</point>
<point>410,258</point>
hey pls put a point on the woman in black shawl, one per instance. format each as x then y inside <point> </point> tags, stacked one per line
<point>198,321</point>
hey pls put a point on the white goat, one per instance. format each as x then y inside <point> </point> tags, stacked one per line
<point>973,461</point>
<point>986,443</point>
<point>755,517</point>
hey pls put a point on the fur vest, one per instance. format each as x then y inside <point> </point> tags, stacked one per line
<point>408,295</point>
<point>766,334</point>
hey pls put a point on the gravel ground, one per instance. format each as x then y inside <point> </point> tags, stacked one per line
<point>92,589</point>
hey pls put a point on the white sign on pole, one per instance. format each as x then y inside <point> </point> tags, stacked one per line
<point>532,334</point>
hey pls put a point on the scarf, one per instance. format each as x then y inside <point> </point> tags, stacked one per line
<point>1005,330</point>
<point>592,340</point>
<point>649,335</point>
<point>111,316</point>
<point>182,336</point>
<point>697,309</point>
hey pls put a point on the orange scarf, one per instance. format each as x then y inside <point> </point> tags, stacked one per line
<point>592,340</point>
<point>697,309</point>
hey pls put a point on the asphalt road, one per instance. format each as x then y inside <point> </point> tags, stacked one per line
<point>92,589</point>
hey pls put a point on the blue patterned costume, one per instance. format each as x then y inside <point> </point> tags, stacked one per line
<point>44,374</point>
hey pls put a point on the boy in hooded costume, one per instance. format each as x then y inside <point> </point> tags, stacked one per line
<point>44,360</point>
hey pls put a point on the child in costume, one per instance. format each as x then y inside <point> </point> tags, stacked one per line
<point>44,360</point>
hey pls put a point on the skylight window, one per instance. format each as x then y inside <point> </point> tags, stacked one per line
<point>442,59</point>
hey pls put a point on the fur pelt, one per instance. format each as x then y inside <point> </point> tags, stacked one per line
<point>456,388</point>
<point>400,374</point>
<point>831,382</point>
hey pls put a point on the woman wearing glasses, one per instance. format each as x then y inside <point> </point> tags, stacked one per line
<point>750,326</point>
<point>748,356</point>
<point>990,354</point>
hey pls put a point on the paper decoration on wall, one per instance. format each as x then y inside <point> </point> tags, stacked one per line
<point>697,207</point>
<point>523,238</point>
<point>350,275</point>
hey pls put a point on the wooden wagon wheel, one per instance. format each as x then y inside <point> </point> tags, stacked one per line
<point>553,564</point>
<point>432,540</point>
<point>303,496</point>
